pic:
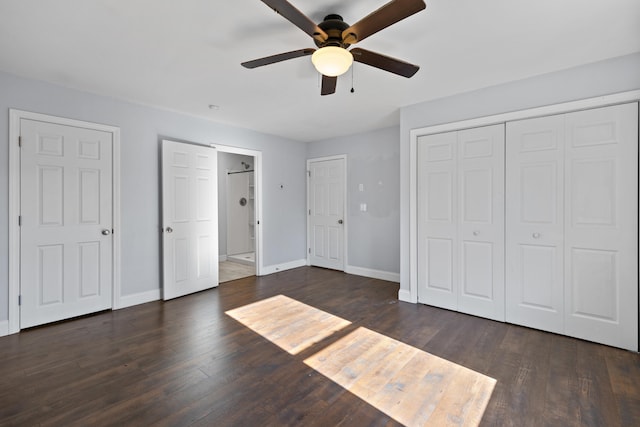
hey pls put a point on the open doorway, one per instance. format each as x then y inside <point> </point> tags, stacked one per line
<point>238,213</point>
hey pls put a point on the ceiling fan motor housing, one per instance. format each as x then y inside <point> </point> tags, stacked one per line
<point>333,25</point>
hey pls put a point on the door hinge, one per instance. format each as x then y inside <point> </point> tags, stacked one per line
<point>309,250</point>
<point>309,173</point>
<point>309,211</point>
<point>19,220</point>
<point>19,299</point>
<point>19,141</point>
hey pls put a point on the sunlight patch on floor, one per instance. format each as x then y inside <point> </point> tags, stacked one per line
<point>411,386</point>
<point>290,324</point>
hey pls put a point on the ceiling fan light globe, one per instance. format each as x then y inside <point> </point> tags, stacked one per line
<point>332,61</point>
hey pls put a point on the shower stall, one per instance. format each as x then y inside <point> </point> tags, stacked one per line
<point>241,215</point>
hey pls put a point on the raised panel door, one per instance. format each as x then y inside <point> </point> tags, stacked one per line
<point>438,220</point>
<point>190,218</point>
<point>66,205</point>
<point>601,278</point>
<point>481,221</point>
<point>326,213</point>
<point>534,223</point>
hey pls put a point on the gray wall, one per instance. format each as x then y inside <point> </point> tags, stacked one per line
<point>226,162</point>
<point>373,159</point>
<point>601,78</point>
<point>142,127</point>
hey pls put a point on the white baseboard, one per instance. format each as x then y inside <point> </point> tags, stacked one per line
<point>374,274</point>
<point>405,295</point>
<point>222,258</point>
<point>4,328</point>
<point>270,269</point>
<point>139,298</point>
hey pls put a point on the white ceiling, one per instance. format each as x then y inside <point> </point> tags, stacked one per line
<point>185,55</point>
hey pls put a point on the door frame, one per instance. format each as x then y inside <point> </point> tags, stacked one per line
<point>345,227</point>
<point>409,291</point>
<point>15,116</point>
<point>257,197</point>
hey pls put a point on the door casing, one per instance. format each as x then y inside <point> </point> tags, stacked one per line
<point>257,197</point>
<point>15,116</point>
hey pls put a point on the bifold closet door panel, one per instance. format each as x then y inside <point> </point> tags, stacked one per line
<point>461,221</point>
<point>534,223</point>
<point>437,220</point>
<point>481,222</point>
<point>601,225</point>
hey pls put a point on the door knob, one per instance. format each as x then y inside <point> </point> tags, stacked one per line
<point>536,235</point>
<point>476,233</point>
<point>169,230</point>
<point>340,221</point>
<point>106,232</point>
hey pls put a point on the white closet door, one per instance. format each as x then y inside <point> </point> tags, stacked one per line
<point>481,221</point>
<point>437,220</point>
<point>461,221</point>
<point>601,220</point>
<point>534,223</point>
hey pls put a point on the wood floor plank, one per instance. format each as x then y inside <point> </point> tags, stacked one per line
<point>186,363</point>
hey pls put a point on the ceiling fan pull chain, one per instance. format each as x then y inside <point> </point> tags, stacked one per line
<point>352,89</point>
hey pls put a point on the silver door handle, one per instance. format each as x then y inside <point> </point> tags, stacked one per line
<point>476,233</point>
<point>536,235</point>
<point>169,230</point>
<point>340,221</point>
<point>106,232</point>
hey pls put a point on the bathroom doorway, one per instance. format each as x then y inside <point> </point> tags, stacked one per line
<point>238,213</point>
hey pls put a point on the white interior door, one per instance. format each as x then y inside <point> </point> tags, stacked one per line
<point>461,221</point>
<point>326,186</point>
<point>438,220</point>
<point>66,221</point>
<point>481,221</point>
<point>601,226</point>
<point>534,221</point>
<point>190,218</point>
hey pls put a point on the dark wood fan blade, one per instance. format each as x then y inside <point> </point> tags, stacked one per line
<point>297,18</point>
<point>328,85</point>
<point>277,58</point>
<point>390,13</point>
<point>385,63</point>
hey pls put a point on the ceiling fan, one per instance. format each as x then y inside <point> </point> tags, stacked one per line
<point>333,36</point>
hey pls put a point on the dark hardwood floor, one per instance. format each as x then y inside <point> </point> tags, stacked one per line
<point>185,362</point>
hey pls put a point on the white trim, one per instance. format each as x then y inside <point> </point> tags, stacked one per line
<point>345,243</point>
<point>140,298</point>
<point>4,328</point>
<point>257,183</point>
<point>14,230</point>
<point>276,268</point>
<point>14,205</point>
<point>374,274</point>
<point>405,295</point>
<point>411,295</point>
<point>117,221</point>
<point>547,110</point>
